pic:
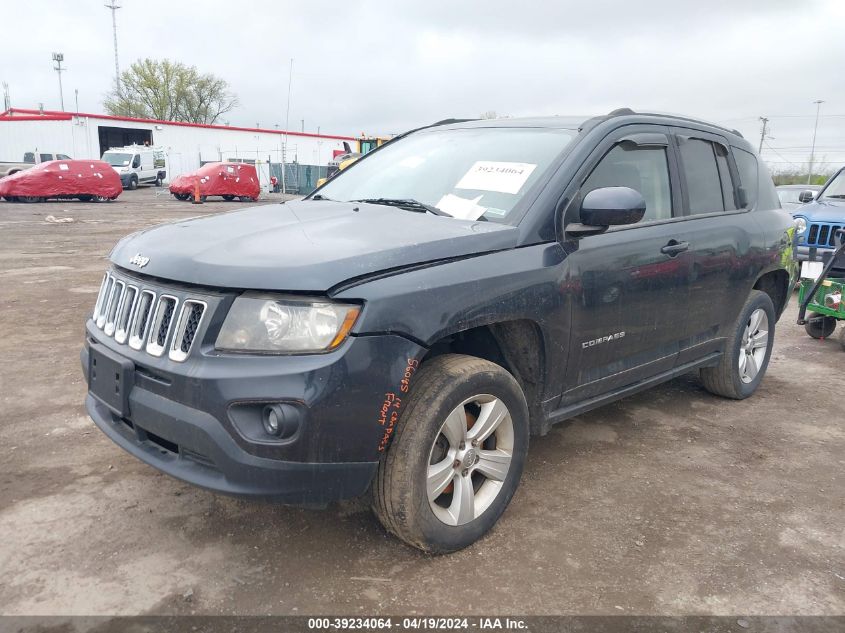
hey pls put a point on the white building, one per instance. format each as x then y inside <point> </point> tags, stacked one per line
<point>187,145</point>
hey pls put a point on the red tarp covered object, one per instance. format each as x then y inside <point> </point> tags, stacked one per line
<point>83,179</point>
<point>229,180</point>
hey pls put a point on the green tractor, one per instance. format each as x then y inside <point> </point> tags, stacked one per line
<point>822,293</point>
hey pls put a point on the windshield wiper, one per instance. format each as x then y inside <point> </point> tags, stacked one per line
<point>409,204</point>
<point>836,195</point>
<point>319,196</point>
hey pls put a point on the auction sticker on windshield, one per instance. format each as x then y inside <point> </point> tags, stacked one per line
<point>488,175</point>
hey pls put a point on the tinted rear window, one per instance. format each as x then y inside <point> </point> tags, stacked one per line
<point>746,165</point>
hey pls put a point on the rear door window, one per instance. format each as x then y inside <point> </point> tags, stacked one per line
<point>701,173</point>
<point>644,169</point>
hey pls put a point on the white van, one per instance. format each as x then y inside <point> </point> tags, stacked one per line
<point>137,164</point>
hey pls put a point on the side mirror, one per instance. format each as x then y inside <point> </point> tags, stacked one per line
<point>806,196</point>
<point>610,206</point>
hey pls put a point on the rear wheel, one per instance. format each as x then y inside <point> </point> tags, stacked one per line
<point>228,198</point>
<point>746,357</point>
<point>457,455</point>
<point>31,199</point>
<point>11,198</point>
<point>102,199</point>
<point>247,198</point>
<point>819,325</point>
<point>85,198</point>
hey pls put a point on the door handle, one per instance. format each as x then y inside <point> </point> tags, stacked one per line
<point>674,247</point>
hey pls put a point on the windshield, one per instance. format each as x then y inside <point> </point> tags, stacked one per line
<point>116,159</point>
<point>468,173</point>
<point>788,196</point>
<point>836,187</point>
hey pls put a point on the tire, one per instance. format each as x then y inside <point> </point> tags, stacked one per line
<point>31,199</point>
<point>102,199</point>
<point>735,377</point>
<point>203,198</point>
<point>85,198</point>
<point>247,199</point>
<point>228,198</point>
<point>181,196</point>
<point>133,183</point>
<point>11,198</point>
<point>444,400</point>
<point>822,328</point>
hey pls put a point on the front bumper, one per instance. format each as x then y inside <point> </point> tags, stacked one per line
<point>195,420</point>
<point>192,446</point>
<point>816,254</point>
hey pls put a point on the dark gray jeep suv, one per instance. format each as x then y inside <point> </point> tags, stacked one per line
<point>403,331</point>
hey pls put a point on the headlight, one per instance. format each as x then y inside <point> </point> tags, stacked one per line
<point>258,323</point>
<point>800,225</point>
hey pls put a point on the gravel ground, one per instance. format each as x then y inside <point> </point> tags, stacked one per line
<point>669,502</point>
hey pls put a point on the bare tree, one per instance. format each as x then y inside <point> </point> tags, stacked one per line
<point>170,91</point>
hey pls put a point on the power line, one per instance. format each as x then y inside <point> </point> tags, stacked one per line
<point>783,157</point>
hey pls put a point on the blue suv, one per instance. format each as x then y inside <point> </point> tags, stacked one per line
<point>817,221</point>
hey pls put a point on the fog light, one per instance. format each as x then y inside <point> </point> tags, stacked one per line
<point>280,420</point>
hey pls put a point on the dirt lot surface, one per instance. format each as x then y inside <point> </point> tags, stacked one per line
<point>669,502</point>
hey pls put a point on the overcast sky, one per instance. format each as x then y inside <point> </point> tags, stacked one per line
<point>383,67</point>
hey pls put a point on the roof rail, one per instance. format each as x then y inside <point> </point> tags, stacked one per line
<point>628,111</point>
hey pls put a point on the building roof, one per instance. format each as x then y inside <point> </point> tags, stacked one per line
<point>22,114</point>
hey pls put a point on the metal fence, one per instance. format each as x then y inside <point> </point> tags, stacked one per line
<point>299,178</point>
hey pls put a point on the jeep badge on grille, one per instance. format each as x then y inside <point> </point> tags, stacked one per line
<point>139,260</point>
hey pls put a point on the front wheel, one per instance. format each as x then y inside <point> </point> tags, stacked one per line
<point>228,197</point>
<point>31,199</point>
<point>133,183</point>
<point>746,356</point>
<point>456,457</point>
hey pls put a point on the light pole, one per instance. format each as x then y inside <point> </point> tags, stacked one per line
<point>113,7</point>
<point>813,150</point>
<point>59,58</point>
<point>287,124</point>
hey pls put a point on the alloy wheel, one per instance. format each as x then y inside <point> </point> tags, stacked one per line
<point>470,459</point>
<point>755,342</point>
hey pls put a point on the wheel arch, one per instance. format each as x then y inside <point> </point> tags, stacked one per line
<point>516,345</point>
<point>775,283</point>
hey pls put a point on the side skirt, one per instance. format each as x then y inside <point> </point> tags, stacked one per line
<point>572,410</point>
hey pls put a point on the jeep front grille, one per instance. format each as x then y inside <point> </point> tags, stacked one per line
<point>822,235</point>
<point>148,319</point>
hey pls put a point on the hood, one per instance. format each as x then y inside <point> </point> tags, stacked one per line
<point>304,245</point>
<point>824,210</point>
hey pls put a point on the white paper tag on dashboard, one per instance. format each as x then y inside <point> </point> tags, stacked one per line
<point>490,175</point>
<point>461,208</point>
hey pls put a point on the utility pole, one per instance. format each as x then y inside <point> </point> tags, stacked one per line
<point>59,58</point>
<point>287,124</point>
<point>7,99</point>
<point>762,134</point>
<point>113,7</point>
<point>76,96</point>
<point>813,150</point>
